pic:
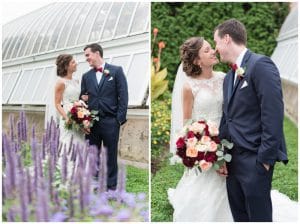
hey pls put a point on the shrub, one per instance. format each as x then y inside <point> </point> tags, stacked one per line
<point>178,21</point>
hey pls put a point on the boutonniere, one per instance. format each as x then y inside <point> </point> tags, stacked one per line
<point>106,72</point>
<point>240,72</point>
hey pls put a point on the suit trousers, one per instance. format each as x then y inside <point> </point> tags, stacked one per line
<point>249,187</point>
<point>106,131</point>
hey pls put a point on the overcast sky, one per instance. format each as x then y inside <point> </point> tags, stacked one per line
<point>14,9</point>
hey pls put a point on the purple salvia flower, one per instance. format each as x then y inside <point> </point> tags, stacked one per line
<point>58,217</point>
<point>141,196</point>
<point>11,121</point>
<point>70,145</point>
<point>71,202</point>
<point>44,146</point>
<point>145,215</point>
<point>122,179</point>
<point>33,132</point>
<point>81,190</point>
<point>64,165</point>
<point>29,185</point>
<point>105,210</point>
<point>123,215</point>
<point>23,196</point>
<point>129,199</point>
<point>23,126</point>
<point>19,132</point>
<point>11,215</point>
<point>42,203</point>
<point>56,200</point>
<point>103,170</point>
<point>51,171</point>
<point>47,137</point>
<point>11,168</point>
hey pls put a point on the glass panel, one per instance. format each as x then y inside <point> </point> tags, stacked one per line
<point>84,33</point>
<point>42,84</point>
<point>58,29</point>
<point>98,24</point>
<point>125,19</point>
<point>8,87</point>
<point>78,23</point>
<point>21,86</point>
<point>31,85</point>
<point>141,18</point>
<point>49,32</point>
<point>121,61</point>
<point>138,78</point>
<point>68,26</point>
<point>111,20</point>
<point>82,68</point>
<point>35,32</point>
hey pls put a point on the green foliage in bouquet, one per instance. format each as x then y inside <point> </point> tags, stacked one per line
<point>177,21</point>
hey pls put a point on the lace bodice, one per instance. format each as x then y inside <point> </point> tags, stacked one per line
<point>71,93</point>
<point>208,97</point>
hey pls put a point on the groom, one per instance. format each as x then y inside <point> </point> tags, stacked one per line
<point>253,120</point>
<point>106,88</point>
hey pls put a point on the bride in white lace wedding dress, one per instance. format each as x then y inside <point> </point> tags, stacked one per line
<point>67,91</point>
<point>203,196</point>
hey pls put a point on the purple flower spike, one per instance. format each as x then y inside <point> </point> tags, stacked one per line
<point>11,215</point>
<point>123,215</point>
<point>11,122</point>
<point>58,217</point>
<point>122,179</point>
<point>64,169</point>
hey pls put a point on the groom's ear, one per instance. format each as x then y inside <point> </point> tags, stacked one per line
<point>227,38</point>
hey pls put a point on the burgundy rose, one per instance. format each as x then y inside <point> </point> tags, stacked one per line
<point>198,136</point>
<point>216,139</point>
<point>190,134</point>
<point>180,143</point>
<point>200,156</point>
<point>181,153</point>
<point>201,122</point>
<point>206,132</point>
<point>210,157</point>
<point>188,162</point>
<point>73,110</point>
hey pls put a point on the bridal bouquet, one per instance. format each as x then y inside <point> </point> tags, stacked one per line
<point>199,146</point>
<point>80,117</point>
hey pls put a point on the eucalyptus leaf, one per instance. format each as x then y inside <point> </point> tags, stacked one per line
<point>219,153</point>
<point>227,157</point>
<point>216,166</point>
<point>227,144</point>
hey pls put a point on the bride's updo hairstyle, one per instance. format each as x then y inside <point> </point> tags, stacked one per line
<point>189,51</point>
<point>62,64</point>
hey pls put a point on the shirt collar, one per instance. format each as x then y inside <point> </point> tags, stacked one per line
<point>240,57</point>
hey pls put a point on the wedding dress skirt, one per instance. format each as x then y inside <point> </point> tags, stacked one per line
<point>203,197</point>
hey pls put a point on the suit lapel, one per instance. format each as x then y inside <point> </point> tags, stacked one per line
<point>94,79</point>
<point>237,82</point>
<point>103,78</point>
<point>230,81</point>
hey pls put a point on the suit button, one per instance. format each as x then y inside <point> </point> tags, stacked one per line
<point>229,119</point>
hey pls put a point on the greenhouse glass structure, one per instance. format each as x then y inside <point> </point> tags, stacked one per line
<point>285,57</point>
<point>31,43</point>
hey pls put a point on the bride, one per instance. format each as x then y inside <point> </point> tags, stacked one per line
<point>203,196</point>
<point>67,91</point>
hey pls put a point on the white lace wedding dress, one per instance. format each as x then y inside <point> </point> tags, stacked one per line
<point>203,196</point>
<point>71,94</point>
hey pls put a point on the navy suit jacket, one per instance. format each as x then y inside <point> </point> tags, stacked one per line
<point>253,116</point>
<point>110,97</point>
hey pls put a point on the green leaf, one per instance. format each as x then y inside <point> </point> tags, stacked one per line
<point>226,143</point>
<point>219,153</point>
<point>227,157</point>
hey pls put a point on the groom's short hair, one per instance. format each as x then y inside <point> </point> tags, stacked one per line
<point>235,29</point>
<point>95,47</point>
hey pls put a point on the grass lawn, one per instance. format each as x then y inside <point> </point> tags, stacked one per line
<point>285,178</point>
<point>137,180</point>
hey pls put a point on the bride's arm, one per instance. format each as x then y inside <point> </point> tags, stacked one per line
<point>59,90</point>
<point>187,102</point>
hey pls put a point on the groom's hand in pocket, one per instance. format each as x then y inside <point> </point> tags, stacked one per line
<point>267,166</point>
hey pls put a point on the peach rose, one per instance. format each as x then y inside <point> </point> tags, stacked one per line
<point>205,165</point>
<point>80,114</point>
<point>191,142</point>
<point>213,130</point>
<point>205,139</point>
<point>191,152</point>
<point>213,146</point>
<point>196,127</point>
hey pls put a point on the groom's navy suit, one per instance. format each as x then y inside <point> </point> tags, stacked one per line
<point>110,98</point>
<point>253,120</point>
